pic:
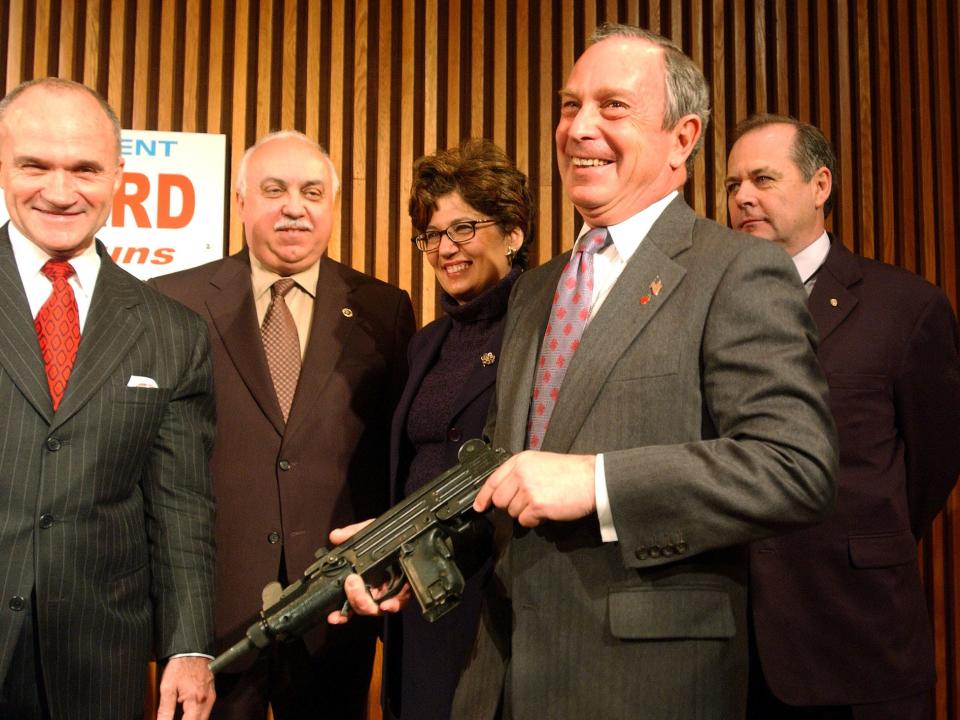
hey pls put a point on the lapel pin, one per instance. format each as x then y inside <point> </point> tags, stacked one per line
<point>833,302</point>
<point>488,358</point>
<point>644,299</point>
<point>656,286</point>
<point>347,312</point>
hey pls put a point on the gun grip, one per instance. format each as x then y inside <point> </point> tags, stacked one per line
<point>427,561</point>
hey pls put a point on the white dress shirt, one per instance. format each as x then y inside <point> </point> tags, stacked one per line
<point>30,258</point>
<point>607,266</point>
<point>809,260</point>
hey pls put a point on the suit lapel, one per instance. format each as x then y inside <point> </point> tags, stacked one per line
<point>624,314</point>
<point>832,300</point>
<point>421,360</point>
<point>526,322</point>
<point>330,331</point>
<point>424,359</point>
<point>234,317</point>
<point>481,377</point>
<point>112,327</point>
<point>19,349</point>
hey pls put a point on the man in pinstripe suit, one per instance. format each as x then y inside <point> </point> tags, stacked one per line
<point>106,512</point>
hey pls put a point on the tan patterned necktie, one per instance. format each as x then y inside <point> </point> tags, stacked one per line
<point>281,343</point>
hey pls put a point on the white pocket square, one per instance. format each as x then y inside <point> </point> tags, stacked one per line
<point>139,381</point>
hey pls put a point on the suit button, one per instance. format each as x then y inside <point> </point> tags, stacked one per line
<point>654,551</point>
<point>453,435</point>
<point>17,603</point>
<point>641,553</point>
<point>681,548</point>
<point>53,444</point>
<point>284,464</point>
<point>46,521</point>
<point>273,538</point>
<point>667,550</point>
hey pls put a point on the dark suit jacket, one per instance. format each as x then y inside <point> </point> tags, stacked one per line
<point>105,508</point>
<point>707,403</point>
<point>281,488</point>
<point>838,609</point>
<point>454,632</point>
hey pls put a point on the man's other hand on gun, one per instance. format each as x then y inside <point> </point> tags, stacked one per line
<point>364,600</point>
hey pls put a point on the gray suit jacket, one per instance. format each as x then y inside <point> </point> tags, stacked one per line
<point>106,508</point>
<point>709,408</point>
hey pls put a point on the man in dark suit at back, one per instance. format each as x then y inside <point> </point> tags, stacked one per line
<point>840,625</point>
<point>106,424</point>
<point>309,360</point>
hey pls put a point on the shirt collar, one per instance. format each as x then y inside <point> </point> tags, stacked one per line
<point>627,235</point>
<point>30,258</point>
<point>263,277</point>
<point>809,260</point>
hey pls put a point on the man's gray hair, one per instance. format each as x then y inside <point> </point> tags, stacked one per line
<point>56,84</point>
<point>686,87</point>
<point>810,150</point>
<point>283,135</point>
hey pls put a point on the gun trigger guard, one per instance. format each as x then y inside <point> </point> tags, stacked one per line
<point>395,583</point>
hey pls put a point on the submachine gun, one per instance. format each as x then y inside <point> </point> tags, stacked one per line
<point>410,541</point>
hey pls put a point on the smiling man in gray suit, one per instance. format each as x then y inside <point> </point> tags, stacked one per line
<point>106,512</point>
<point>692,419</point>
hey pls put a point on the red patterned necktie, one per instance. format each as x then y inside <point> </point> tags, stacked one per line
<point>568,318</point>
<point>281,344</point>
<point>58,329</point>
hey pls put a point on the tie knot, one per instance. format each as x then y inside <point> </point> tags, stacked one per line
<point>594,241</point>
<point>57,269</point>
<point>281,287</point>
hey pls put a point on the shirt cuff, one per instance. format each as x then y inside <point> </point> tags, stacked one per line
<point>608,533</point>
<point>208,657</point>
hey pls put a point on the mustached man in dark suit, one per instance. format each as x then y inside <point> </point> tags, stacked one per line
<point>106,423</point>
<point>303,432</point>
<point>840,622</point>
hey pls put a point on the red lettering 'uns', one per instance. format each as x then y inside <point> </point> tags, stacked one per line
<point>141,255</point>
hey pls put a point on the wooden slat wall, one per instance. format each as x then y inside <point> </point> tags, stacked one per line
<point>380,83</point>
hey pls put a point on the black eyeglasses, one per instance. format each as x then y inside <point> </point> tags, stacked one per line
<point>460,232</point>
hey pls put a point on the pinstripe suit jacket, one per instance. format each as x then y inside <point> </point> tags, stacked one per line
<point>106,508</point>
<point>703,393</point>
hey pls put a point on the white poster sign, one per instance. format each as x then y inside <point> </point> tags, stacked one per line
<point>168,213</point>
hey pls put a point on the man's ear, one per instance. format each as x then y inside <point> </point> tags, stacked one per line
<point>822,181</point>
<point>685,135</point>
<point>118,180</point>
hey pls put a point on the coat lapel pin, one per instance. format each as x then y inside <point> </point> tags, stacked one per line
<point>488,358</point>
<point>655,287</point>
<point>347,312</point>
<point>834,302</point>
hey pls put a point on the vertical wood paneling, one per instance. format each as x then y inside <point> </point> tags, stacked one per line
<point>380,83</point>
<point>358,242</point>
<point>384,201</point>
<point>337,141</point>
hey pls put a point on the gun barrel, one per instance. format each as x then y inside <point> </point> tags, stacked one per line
<point>231,655</point>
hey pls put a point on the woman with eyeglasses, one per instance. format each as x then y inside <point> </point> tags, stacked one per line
<point>472,211</point>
